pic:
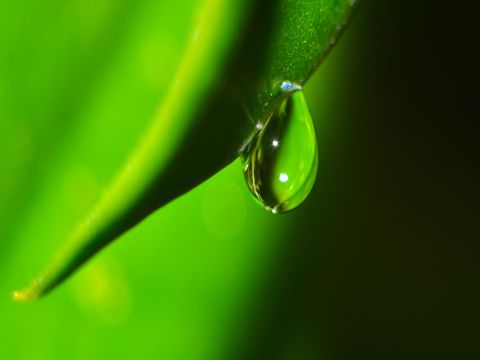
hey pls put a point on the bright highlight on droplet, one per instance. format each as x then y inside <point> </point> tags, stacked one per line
<point>283,177</point>
<point>269,166</point>
<point>288,86</point>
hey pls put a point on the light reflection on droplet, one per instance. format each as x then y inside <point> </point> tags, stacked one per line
<point>288,86</point>
<point>283,177</point>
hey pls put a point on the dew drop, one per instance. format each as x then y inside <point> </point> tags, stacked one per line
<point>281,165</point>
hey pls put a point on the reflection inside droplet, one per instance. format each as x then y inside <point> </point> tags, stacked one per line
<point>281,166</point>
<point>283,177</point>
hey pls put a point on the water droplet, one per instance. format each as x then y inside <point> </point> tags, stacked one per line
<point>281,165</point>
<point>288,86</point>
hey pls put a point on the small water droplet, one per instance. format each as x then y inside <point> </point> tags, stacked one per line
<point>281,165</point>
<point>288,86</point>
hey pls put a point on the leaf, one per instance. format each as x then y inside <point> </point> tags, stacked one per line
<point>239,54</point>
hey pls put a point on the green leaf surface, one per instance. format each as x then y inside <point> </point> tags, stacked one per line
<point>227,80</point>
<point>184,284</point>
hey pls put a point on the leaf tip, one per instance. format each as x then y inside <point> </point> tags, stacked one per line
<point>24,296</point>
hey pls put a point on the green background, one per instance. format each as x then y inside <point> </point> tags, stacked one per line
<point>379,262</point>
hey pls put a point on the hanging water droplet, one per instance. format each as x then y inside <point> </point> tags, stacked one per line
<point>281,165</point>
